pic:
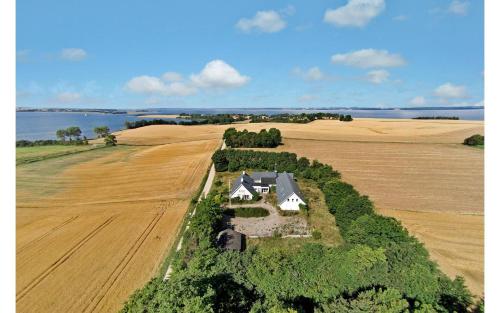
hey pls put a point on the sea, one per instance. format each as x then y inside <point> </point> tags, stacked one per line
<point>43,125</point>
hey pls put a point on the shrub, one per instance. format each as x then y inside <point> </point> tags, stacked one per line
<point>316,234</point>
<point>110,140</point>
<point>474,140</point>
<point>247,212</point>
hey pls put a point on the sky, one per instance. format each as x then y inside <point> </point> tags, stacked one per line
<point>251,54</point>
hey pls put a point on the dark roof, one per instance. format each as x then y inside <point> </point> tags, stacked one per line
<point>261,176</point>
<point>244,180</point>
<point>230,239</point>
<point>286,186</point>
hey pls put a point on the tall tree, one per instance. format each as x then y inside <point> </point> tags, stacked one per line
<point>61,134</point>
<point>73,131</point>
<point>101,131</point>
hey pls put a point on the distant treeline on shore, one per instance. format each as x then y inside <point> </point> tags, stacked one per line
<point>105,111</point>
<point>302,118</point>
<point>436,118</point>
<point>224,119</point>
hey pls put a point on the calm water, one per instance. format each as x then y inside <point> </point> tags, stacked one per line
<point>43,125</point>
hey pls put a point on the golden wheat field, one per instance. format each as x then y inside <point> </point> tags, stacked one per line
<point>94,226</point>
<point>416,171</point>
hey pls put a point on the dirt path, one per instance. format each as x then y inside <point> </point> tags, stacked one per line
<point>204,193</point>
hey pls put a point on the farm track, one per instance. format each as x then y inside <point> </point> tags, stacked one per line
<point>28,244</point>
<point>38,279</point>
<point>90,307</point>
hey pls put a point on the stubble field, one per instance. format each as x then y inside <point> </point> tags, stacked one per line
<point>94,226</point>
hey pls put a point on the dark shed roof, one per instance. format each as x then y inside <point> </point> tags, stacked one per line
<point>230,240</point>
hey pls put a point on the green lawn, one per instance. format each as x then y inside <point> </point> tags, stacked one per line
<point>38,153</point>
<point>319,220</point>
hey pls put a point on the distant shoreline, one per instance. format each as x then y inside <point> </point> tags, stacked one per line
<point>157,111</point>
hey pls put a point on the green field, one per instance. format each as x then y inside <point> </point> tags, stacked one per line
<point>38,153</point>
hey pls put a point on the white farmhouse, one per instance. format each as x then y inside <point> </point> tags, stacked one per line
<point>289,196</point>
<point>243,188</point>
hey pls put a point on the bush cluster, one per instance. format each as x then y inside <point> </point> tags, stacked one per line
<point>474,140</point>
<point>247,212</point>
<point>246,139</point>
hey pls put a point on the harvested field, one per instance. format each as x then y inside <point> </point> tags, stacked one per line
<point>417,171</point>
<point>360,130</point>
<point>92,227</point>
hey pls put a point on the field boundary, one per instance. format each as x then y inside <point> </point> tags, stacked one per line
<point>57,155</point>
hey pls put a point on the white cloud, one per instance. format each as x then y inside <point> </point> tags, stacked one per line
<point>311,74</point>
<point>153,85</point>
<point>400,18</point>
<point>215,75</point>
<point>307,98</point>
<point>419,100</point>
<point>172,77</point>
<point>264,21</point>
<point>368,58</point>
<point>218,74</point>
<point>450,91</point>
<point>68,97</point>
<point>458,7</point>
<point>356,13</point>
<point>145,84</point>
<point>314,73</point>
<point>289,10</point>
<point>377,76</point>
<point>73,54</point>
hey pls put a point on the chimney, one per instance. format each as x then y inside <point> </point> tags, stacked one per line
<point>244,173</point>
<point>242,179</point>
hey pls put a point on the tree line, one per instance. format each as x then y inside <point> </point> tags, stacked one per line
<point>194,119</point>
<point>301,118</point>
<point>246,139</point>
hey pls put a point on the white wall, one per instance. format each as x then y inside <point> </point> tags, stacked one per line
<point>292,203</point>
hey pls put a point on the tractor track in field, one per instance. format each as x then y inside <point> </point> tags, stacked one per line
<point>127,258</point>
<point>54,229</point>
<point>61,260</point>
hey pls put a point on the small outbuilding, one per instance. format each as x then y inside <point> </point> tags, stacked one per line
<point>230,239</point>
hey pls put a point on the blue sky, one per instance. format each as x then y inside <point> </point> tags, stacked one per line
<point>143,54</point>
